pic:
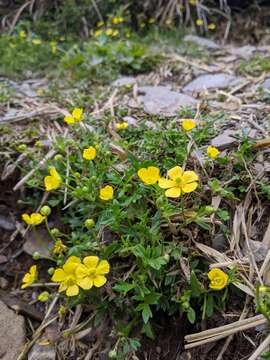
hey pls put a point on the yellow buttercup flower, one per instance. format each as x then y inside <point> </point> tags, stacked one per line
<point>179,182</point>
<point>97,33</point>
<point>66,276</point>
<point>121,126</point>
<point>30,277</point>
<point>212,152</point>
<point>100,24</point>
<point>22,34</point>
<point>91,272</point>
<point>193,2</point>
<point>188,124</point>
<point>150,175</point>
<point>211,26</point>
<point>89,153</point>
<point>115,33</point>
<point>52,181</point>
<point>76,116</point>
<point>106,193</point>
<point>59,248</point>
<point>218,279</point>
<point>53,45</point>
<point>109,32</point>
<point>199,22</point>
<point>36,41</point>
<point>34,219</point>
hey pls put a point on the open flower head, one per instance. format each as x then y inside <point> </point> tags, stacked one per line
<point>66,276</point>
<point>36,41</point>
<point>199,22</point>
<point>188,124</point>
<point>218,279</point>
<point>89,153</point>
<point>33,219</point>
<point>150,175</point>
<point>212,152</point>
<point>59,247</point>
<point>121,126</point>
<point>106,193</point>
<point>30,277</point>
<point>179,182</point>
<point>91,272</point>
<point>22,34</point>
<point>52,181</point>
<point>75,117</point>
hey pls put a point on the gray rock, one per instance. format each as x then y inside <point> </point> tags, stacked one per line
<point>124,80</point>
<point>12,333</point>
<point>212,82</point>
<point>160,100</point>
<point>198,40</point>
<point>224,140</point>
<point>130,120</point>
<point>42,352</point>
<point>244,52</point>
<point>6,224</point>
<point>266,84</point>
<point>151,125</point>
<point>38,240</point>
<point>258,249</point>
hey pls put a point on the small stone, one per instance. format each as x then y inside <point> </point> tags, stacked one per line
<point>219,242</point>
<point>212,82</point>
<point>266,84</point>
<point>124,81</point>
<point>42,352</point>
<point>130,120</point>
<point>6,224</point>
<point>258,249</point>
<point>151,125</point>
<point>12,333</point>
<point>38,241</point>
<point>3,283</point>
<point>224,140</point>
<point>160,100</point>
<point>3,259</point>
<point>198,40</point>
<point>244,52</point>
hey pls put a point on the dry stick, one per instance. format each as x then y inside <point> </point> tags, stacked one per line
<point>16,17</point>
<point>29,115</point>
<point>261,348</point>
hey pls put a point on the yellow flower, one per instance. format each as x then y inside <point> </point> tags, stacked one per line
<point>193,2</point>
<point>218,279</point>
<point>22,34</point>
<point>97,33</point>
<point>121,126</point>
<point>100,24</point>
<point>33,219</point>
<point>199,22</point>
<point>109,32</point>
<point>52,181</point>
<point>66,276</point>
<point>40,92</point>
<point>53,45</point>
<point>106,193</point>
<point>59,248</point>
<point>62,38</point>
<point>91,272</point>
<point>115,33</point>
<point>150,175</point>
<point>30,277</point>
<point>151,21</point>
<point>89,153</point>
<point>36,41</point>
<point>13,46</point>
<point>212,152</point>
<point>211,26</point>
<point>75,116</point>
<point>180,182</point>
<point>188,124</point>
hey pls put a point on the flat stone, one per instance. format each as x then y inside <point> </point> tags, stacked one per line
<point>244,52</point>
<point>212,82</point>
<point>124,80</point>
<point>266,84</point>
<point>201,41</point>
<point>160,100</point>
<point>6,224</point>
<point>38,241</point>
<point>258,249</point>
<point>130,120</point>
<point>12,333</point>
<point>42,352</point>
<point>224,140</point>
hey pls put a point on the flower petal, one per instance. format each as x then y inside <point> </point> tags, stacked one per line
<point>91,261</point>
<point>188,188</point>
<point>103,267</point>
<point>174,192</point>
<point>81,271</point>
<point>59,275</point>
<point>189,176</point>
<point>70,267</point>
<point>72,290</point>
<point>175,172</point>
<point>165,183</point>
<point>62,287</point>
<point>73,259</point>
<point>27,277</point>
<point>99,280</point>
<point>85,283</point>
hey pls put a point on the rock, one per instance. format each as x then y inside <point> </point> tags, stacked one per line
<point>130,120</point>
<point>160,100</point>
<point>38,240</point>
<point>12,333</point>
<point>42,352</point>
<point>224,140</point>
<point>212,82</point>
<point>6,224</point>
<point>266,84</point>
<point>219,242</point>
<point>124,81</point>
<point>3,259</point>
<point>244,52</point>
<point>198,40</point>
<point>151,125</point>
<point>258,249</point>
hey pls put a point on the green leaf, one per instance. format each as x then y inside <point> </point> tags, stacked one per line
<point>146,313</point>
<point>209,305</point>
<point>195,285</point>
<point>123,287</point>
<point>191,315</point>
<point>148,331</point>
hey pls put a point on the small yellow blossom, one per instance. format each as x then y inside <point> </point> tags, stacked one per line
<point>212,152</point>
<point>34,219</point>
<point>100,24</point>
<point>52,181</point>
<point>218,279</point>
<point>44,296</point>
<point>97,33</point>
<point>59,248</point>
<point>89,153</point>
<point>22,34</point>
<point>115,33</point>
<point>106,193</point>
<point>193,2</point>
<point>117,20</point>
<point>53,45</point>
<point>211,26</point>
<point>121,126</point>
<point>30,277</point>
<point>62,38</point>
<point>36,42</point>
<point>91,272</point>
<point>12,45</point>
<point>66,276</point>
<point>179,182</point>
<point>150,175</point>
<point>75,116</point>
<point>199,22</point>
<point>40,92</point>
<point>188,124</point>
<point>38,144</point>
<point>109,32</point>
<point>127,35</point>
<point>151,20</point>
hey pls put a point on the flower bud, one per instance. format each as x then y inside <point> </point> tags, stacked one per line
<point>58,157</point>
<point>85,189</point>
<point>55,232</point>
<point>45,210</point>
<point>209,210</point>
<point>263,289</point>
<point>89,223</point>
<point>166,257</point>
<point>22,148</point>
<point>77,174</point>
<point>51,271</point>
<point>112,354</point>
<point>36,255</point>
<point>44,296</point>
<point>60,262</point>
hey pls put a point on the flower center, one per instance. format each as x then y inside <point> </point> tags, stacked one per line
<point>70,280</point>
<point>178,180</point>
<point>91,272</point>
